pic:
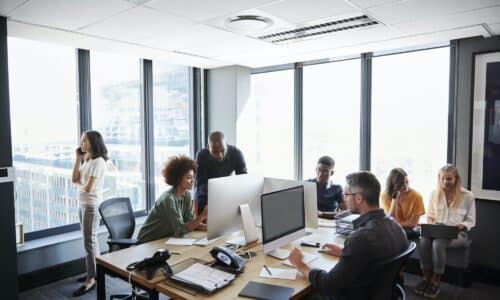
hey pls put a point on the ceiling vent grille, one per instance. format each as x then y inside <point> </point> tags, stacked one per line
<point>311,31</point>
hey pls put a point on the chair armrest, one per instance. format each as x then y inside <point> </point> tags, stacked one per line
<point>123,242</point>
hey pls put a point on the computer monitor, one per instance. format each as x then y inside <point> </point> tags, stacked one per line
<point>310,196</point>
<point>283,219</point>
<point>225,194</point>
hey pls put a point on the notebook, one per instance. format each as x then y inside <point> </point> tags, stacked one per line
<point>439,231</point>
<point>204,278</point>
<point>265,291</point>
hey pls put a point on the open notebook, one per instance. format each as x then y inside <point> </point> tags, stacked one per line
<point>203,278</point>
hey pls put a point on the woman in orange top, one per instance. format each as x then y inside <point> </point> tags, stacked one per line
<point>403,203</point>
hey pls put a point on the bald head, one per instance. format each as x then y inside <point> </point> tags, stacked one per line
<point>217,145</point>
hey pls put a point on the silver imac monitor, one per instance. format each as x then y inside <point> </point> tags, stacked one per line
<point>225,194</point>
<point>283,219</point>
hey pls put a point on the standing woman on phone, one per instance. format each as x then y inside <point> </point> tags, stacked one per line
<point>88,175</point>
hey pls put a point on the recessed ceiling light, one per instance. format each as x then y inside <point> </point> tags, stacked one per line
<point>247,23</point>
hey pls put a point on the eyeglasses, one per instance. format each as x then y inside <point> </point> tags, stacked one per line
<point>351,194</point>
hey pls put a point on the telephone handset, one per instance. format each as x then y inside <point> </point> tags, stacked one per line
<point>150,264</point>
<point>228,259</point>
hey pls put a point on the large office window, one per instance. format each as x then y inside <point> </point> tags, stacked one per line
<point>116,114</point>
<point>171,116</point>
<point>265,127</point>
<point>43,101</point>
<point>410,115</point>
<point>331,112</point>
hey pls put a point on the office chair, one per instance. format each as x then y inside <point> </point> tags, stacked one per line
<point>387,284</point>
<point>118,217</point>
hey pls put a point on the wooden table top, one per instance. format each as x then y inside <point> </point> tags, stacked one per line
<point>253,268</point>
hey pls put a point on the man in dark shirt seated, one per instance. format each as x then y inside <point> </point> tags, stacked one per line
<point>217,160</point>
<point>376,237</point>
<point>330,196</point>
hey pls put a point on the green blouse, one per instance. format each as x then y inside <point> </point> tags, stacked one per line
<point>168,217</point>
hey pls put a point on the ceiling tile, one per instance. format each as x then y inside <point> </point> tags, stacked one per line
<point>68,14</point>
<point>189,36</point>
<point>136,24</point>
<point>495,28</point>
<point>299,11</point>
<point>371,3</point>
<point>414,10</point>
<point>200,10</point>
<point>440,23</point>
<point>235,46</point>
<point>7,6</point>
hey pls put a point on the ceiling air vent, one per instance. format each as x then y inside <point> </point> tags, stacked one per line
<point>317,30</point>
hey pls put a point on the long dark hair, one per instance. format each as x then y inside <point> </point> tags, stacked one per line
<point>395,181</point>
<point>97,144</point>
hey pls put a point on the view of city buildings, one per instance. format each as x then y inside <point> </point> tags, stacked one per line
<point>45,195</point>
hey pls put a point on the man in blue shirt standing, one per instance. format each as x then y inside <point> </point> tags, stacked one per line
<point>217,160</point>
<point>330,196</point>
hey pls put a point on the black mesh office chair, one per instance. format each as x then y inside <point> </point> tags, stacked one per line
<point>118,217</point>
<point>387,284</point>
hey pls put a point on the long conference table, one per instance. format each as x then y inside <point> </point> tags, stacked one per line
<point>115,263</point>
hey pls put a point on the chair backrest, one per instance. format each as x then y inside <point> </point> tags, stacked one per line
<point>387,272</point>
<point>118,217</point>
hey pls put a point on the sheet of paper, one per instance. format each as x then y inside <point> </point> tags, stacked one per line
<point>278,273</point>
<point>205,242</point>
<point>180,242</point>
<point>308,257</point>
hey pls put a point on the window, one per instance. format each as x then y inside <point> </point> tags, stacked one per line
<point>116,114</point>
<point>171,116</point>
<point>43,101</point>
<point>410,115</point>
<point>265,127</point>
<point>331,112</point>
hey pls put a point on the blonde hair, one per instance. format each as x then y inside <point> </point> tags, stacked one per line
<point>457,189</point>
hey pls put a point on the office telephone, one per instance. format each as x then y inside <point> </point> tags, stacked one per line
<point>150,264</point>
<point>228,259</point>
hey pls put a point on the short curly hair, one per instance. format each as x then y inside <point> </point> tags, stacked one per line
<point>176,167</point>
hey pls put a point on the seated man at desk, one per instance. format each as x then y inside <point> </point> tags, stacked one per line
<point>217,160</point>
<point>330,196</point>
<point>376,237</point>
<point>172,214</point>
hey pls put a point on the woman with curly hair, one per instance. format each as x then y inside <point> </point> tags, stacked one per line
<point>172,214</point>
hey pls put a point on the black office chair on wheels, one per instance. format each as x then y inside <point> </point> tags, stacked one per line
<point>387,284</point>
<point>118,217</point>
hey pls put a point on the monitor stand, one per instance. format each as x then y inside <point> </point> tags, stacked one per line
<point>279,253</point>
<point>250,234</point>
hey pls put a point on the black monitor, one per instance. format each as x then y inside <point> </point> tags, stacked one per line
<point>283,218</point>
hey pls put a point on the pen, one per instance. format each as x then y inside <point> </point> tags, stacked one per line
<point>268,271</point>
<point>176,253</point>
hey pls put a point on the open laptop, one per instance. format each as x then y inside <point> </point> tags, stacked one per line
<point>439,231</point>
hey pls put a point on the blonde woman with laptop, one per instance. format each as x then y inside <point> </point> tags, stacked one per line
<point>450,204</point>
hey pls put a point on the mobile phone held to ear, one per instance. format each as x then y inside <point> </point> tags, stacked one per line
<point>79,150</point>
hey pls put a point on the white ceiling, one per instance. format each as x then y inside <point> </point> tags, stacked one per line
<point>192,32</point>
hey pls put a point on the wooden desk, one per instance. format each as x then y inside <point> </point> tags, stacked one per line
<point>115,264</point>
<point>253,267</point>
